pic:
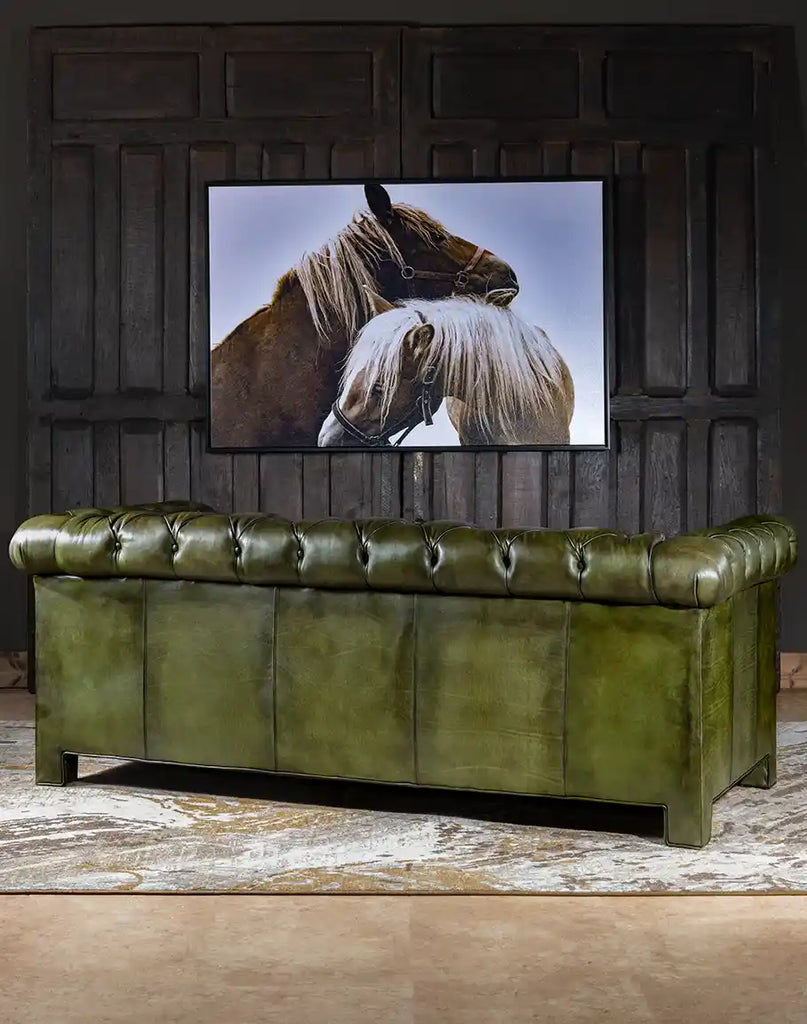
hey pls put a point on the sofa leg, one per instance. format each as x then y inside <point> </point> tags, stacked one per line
<point>763,775</point>
<point>688,824</point>
<point>56,768</point>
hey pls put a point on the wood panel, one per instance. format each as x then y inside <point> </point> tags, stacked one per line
<point>670,116</point>
<point>118,347</point>
<point>734,272</point>
<point>141,254</point>
<point>680,86</point>
<point>128,124</point>
<point>141,458</point>
<point>258,84</point>
<point>124,86</point>
<point>72,270</point>
<point>529,84</point>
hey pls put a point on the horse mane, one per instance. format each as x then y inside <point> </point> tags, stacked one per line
<point>335,278</point>
<point>502,368</point>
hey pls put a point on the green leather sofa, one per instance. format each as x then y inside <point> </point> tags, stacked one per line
<point>581,663</point>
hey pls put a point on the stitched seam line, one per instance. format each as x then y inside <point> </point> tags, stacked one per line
<point>274,675</point>
<point>144,641</point>
<point>565,739</point>
<point>414,688</point>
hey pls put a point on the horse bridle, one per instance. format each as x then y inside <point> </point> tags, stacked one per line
<point>421,405</point>
<point>460,277</point>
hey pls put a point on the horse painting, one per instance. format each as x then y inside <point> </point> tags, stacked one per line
<point>503,381</point>
<point>274,377</point>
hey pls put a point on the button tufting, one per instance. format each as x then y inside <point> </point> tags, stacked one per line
<point>236,550</point>
<point>506,561</point>
<point>299,554</point>
<point>435,556</point>
<point>364,555</point>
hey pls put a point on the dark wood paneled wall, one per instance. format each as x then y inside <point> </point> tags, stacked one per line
<point>128,124</point>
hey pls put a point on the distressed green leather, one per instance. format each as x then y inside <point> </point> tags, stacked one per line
<point>583,663</point>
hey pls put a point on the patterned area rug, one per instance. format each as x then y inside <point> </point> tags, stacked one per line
<point>149,828</point>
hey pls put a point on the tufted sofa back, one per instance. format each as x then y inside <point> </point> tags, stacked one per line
<point>178,540</point>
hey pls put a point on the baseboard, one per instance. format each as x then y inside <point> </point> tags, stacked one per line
<point>793,671</point>
<point>13,670</point>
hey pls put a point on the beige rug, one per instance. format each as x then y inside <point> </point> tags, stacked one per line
<point>149,828</point>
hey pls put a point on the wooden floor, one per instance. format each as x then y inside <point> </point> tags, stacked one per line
<point>403,959</point>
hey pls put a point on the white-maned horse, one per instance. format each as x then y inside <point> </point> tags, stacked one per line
<point>503,381</point>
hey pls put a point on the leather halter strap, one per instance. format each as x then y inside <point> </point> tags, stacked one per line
<point>459,277</point>
<point>422,405</point>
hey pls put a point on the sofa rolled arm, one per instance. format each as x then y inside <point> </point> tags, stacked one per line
<point>704,567</point>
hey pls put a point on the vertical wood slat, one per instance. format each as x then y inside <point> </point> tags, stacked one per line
<point>735,369</point>
<point>698,431</point>
<point>107,465</point>
<point>768,325</point>
<point>281,485</point>
<point>176,461</point>
<point>732,477</point>
<point>175,327</point>
<point>351,485</point>
<point>142,466</point>
<point>72,271</point>
<point>524,489</point>
<point>698,326</point>
<point>211,474</point>
<point>72,455</point>
<point>628,438</point>
<point>40,225</point>
<point>141,336</point>
<point>40,468</point>
<point>417,485</point>
<point>629,239</point>
<point>664,476</point>
<point>665,260</point>
<point>454,486</point>
<point>107,269</point>
<point>316,486</point>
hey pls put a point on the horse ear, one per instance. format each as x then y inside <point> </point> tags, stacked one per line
<point>379,202</point>
<point>377,302</point>
<point>419,339</point>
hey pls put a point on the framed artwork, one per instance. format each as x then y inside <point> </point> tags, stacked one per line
<point>431,315</point>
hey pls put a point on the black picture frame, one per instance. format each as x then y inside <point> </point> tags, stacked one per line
<point>609,300</point>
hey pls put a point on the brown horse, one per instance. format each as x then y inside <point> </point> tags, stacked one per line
<point>503,381</point>
<point>274,377</point>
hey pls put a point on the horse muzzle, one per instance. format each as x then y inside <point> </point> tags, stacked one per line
<point>501,296</point>
<point>332,434</point>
